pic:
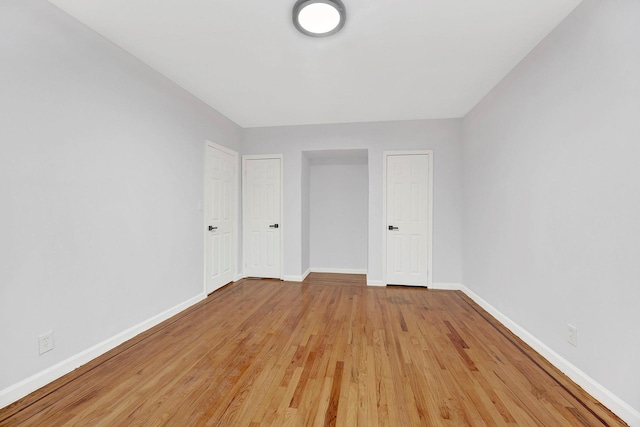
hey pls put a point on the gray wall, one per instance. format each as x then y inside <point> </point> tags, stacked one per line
<point>339,210</point>
<point>551,165</point>
<point>442,136</point>
<point>101,170</point>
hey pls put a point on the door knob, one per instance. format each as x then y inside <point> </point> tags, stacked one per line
<point>274,226</point>
<point>391,227</point>
<point>211,228</point>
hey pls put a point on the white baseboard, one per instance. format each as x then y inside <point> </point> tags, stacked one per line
<point>622,409</point>
<point>371,282</point>
<point>446,286</point>
<point>292,278</point>
<point>339,270</point>
<point>34,382</point>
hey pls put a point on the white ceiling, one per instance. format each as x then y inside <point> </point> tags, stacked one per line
<point>393,60</point>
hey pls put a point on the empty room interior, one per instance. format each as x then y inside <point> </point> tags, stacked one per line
<point>206,207</point>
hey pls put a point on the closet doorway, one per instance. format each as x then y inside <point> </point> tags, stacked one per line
<point>338,210</point>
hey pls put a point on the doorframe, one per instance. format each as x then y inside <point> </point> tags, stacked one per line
<point>234,217</point>
<point>385,155</point>
<point>282,226</point>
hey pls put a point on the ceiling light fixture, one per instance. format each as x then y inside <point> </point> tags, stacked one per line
<point>319,18</point>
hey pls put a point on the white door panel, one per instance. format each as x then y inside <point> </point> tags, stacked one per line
<point>407,208</point>
<point>220,197</point>
<point>262,219</point>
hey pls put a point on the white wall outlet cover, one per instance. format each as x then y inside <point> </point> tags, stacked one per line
<point>45,342</point>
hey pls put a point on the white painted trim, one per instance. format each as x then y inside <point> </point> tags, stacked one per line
<point>622,409</point>
<point>42,378</point>
<point>386,154</point>
<point>236,199</point>
<point>294,278</point>
<point>375,283</point>
<point>339,270</point>
<point>446,286</point>
<point>281,222</point>
<point>239,277</point>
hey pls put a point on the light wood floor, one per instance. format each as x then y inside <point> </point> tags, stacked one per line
<point>329,351</point>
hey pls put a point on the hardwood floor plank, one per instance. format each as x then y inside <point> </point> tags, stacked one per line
<point>334,399</point>
<point>326,352</point>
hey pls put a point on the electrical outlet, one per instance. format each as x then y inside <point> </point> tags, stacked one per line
<point>45,342</point>
<point>572,335</point>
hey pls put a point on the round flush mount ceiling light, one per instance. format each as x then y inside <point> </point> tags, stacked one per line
<point>319,18</point>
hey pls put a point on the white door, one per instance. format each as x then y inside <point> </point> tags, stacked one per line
<point>220,202</point>
<point>408,219</point>
<point>261,190</point>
